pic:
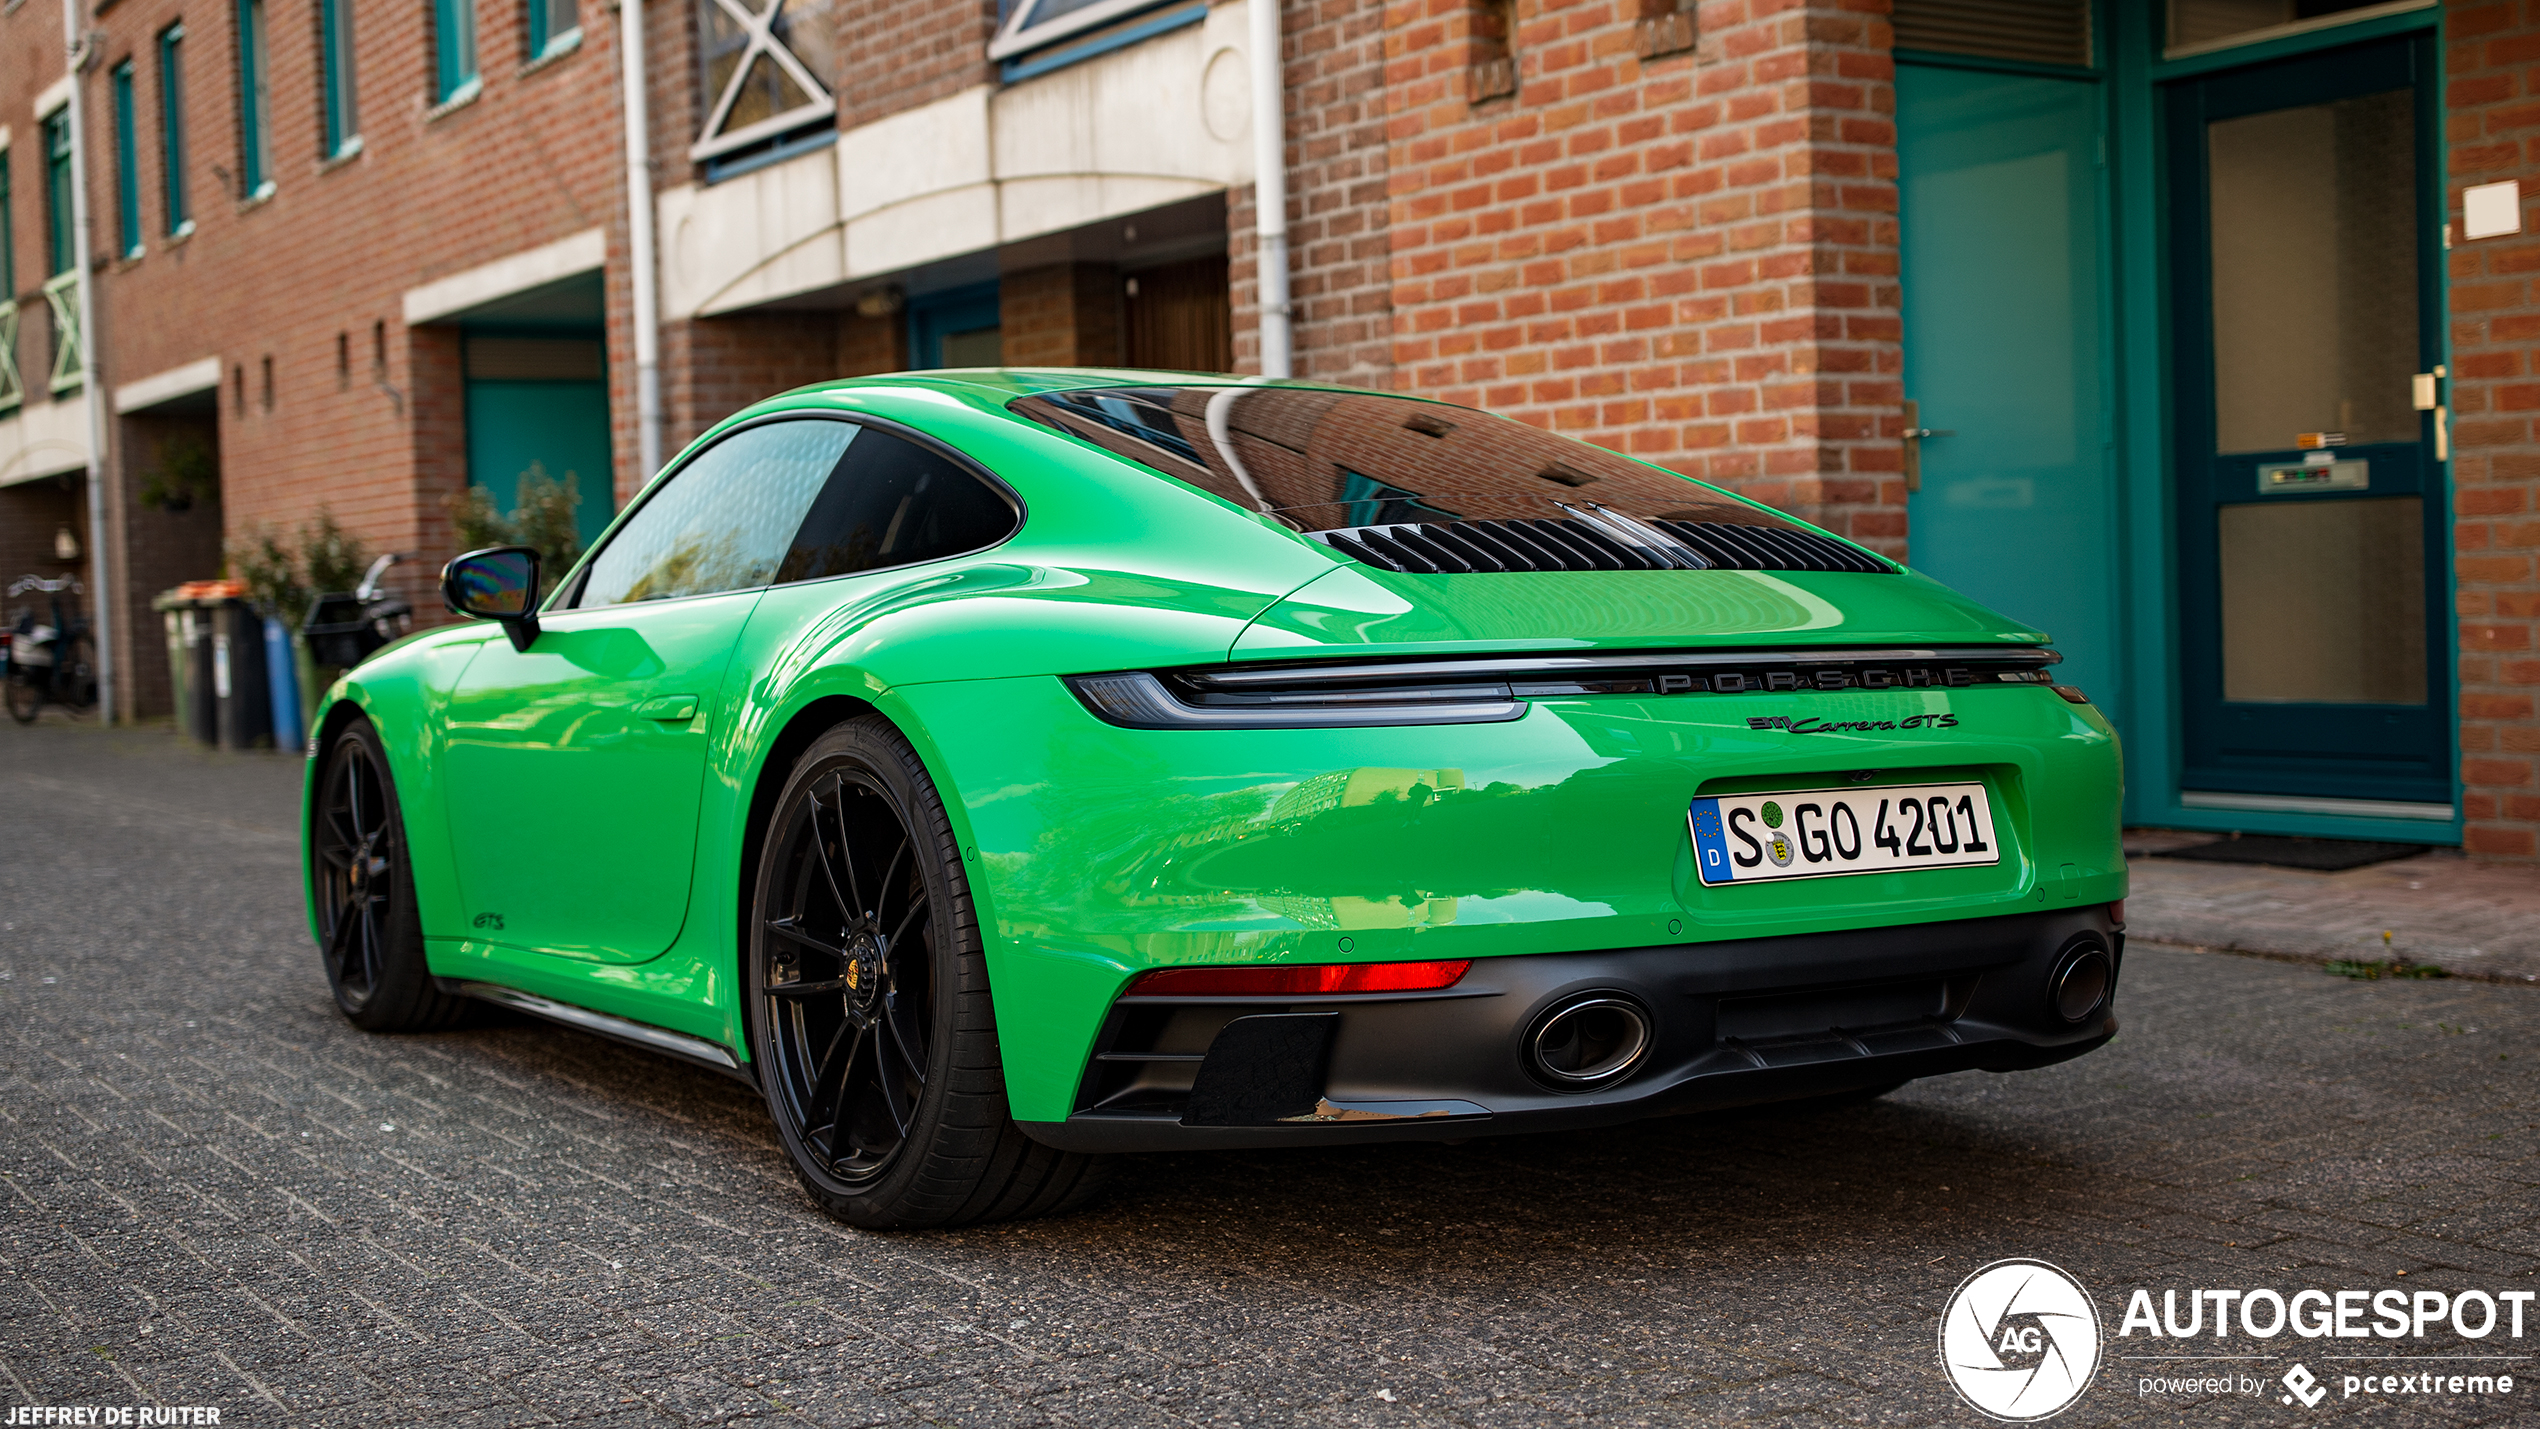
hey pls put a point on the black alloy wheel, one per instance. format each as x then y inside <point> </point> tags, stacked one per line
<point>849,992</point>
<point>369,934</point>
<point>870,1020</point>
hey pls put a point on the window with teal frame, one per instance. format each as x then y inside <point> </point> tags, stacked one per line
<point>127,166</point>
<point>765,70</point>
<point>172,129</point>
<point>255,103</point>
<point>554,27</point>
<point>335,72</point>
<point>454,50</point>
<point>60,249</point>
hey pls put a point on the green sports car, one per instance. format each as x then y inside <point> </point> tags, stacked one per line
<point>1000,769</point>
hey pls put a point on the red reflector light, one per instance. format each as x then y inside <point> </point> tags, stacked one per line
<point>1298,982</point>
<point>2072,694</point>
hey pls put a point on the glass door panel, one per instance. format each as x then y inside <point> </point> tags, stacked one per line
<point>2324,602</point>
<point>2312,629</point>
<point>2315,309</point>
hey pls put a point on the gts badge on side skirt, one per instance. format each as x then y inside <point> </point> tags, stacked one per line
<point>1812,725</point>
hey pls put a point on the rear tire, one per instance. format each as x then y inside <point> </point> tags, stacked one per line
<point>369,934</point>
<point>25,696</point>
<point>871,1023</point>
<point>75,683</point>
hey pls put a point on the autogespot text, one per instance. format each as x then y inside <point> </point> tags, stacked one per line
<point>2330,1314</point>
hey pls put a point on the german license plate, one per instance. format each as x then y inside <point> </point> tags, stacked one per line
<point>1821,833</point>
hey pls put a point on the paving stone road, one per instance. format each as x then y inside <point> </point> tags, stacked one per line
<point>214,1192</point>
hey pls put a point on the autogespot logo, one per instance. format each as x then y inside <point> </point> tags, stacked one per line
<point>2019,1340</point>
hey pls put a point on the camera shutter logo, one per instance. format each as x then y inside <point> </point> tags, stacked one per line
<point>2019,1340</point>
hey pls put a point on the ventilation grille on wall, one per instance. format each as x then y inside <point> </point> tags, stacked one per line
<point>2055,32</point>
<point>1476,547</point>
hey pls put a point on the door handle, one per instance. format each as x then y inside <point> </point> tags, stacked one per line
<point>1913,434</point>
<point>669,709</point>
<point>2426,395</point>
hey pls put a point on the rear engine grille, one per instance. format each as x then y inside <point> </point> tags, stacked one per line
<point>1604,541</point>
<point>1771,548</point>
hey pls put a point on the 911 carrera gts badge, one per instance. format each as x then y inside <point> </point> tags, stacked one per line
<point>490,920</point>
<point>1810,724</point>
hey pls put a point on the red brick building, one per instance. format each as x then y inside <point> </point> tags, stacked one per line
<point>2173,326</point>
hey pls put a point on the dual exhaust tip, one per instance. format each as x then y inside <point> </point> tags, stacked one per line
<point>2079,989</point>
<point>1594,1039</point>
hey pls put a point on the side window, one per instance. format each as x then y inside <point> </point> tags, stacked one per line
<point>726,520</point>
<point>895,503</point>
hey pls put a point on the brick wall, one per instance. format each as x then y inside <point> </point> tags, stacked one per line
<point>309,282</point>
<point>160,548</point>
<point>1691,258</point>
<point>31,512</point>
<point>902,55</point>
<point>867,345</point>
<point>1340,284</point>
<point>2492,132</point>
<point>1062,315</point>
<point>713,367</point>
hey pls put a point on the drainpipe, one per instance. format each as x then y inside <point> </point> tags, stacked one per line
<point>639,239</point>
<point>100,595</point>
<point>1270,186</point>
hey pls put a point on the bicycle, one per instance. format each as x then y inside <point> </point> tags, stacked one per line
<point>56,661</point>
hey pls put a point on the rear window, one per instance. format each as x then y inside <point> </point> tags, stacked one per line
<point>1329,461</point>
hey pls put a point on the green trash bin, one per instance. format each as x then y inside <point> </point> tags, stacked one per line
<point>176,615</point>
<point>187,621</point>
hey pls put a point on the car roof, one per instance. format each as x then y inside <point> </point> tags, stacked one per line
<point>1026,381</point>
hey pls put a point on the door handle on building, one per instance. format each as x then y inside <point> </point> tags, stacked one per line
<point>2426,389</point>
<point>1913,434</point>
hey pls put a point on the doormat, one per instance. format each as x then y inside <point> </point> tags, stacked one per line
<point>2317,855</point>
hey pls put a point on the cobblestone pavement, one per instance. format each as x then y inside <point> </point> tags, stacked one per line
<point>2440,909</point>
<point>217,1193</point>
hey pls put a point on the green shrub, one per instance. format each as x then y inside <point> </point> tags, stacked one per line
<point>544,520</point>
<point>321,558</point>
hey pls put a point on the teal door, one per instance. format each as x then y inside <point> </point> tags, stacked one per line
<point>956,328</point>
<point>2306,318</point>
<point>541,402</point>
<point>2004,333</point>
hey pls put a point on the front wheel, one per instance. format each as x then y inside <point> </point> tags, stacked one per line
<point>870,1018</point>
<point>368,930</point>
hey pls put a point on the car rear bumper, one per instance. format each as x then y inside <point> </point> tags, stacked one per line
<point>1731,1024</point>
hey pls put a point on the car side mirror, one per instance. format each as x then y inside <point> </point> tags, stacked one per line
<point>496,583</point>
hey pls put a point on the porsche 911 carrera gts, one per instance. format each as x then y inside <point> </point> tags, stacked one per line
<point>1000,769</point>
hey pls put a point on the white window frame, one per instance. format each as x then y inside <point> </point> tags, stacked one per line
<point>760,26</point>
<point>1019,34</point>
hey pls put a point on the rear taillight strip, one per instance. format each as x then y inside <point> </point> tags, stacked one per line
<point>1344,695</point>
